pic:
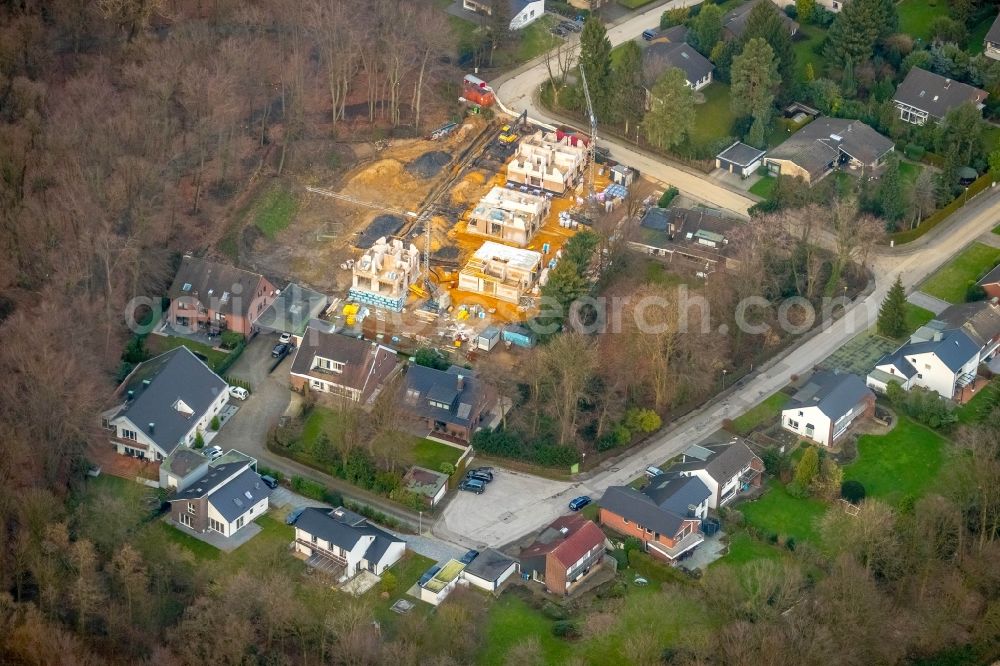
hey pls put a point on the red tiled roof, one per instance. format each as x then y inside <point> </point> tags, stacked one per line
<point>578,544</point>
<point>581,535</point>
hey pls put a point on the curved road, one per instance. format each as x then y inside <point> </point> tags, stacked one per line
<point>516,93</point>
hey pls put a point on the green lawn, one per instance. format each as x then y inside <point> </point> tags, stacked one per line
<point>769,410</point>
<point>916,317</point>
<point>805,53</point>
<point>915,16</point>
<point>974,410</point>
<point>275,210</point>
<point>744,549</point>
<point>510,621</point>
<point>655,272</point>
<point>909,171</point>
<point>713,119</point>
<point>764,187</point>
<point>432,455</point>
<point>780,513</point>
<point>406,572</point>
<point>991,138</point>
<point>996,230</point>
<point>952,280</point>
<point>634,4</point>
<point>536,39</point>
<point>320,420</point>
<point>158,344</point>
<point>899,464</point>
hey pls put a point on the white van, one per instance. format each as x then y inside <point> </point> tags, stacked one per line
<point>238,392</point>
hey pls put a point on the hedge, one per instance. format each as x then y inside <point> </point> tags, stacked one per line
<point>942,213</point>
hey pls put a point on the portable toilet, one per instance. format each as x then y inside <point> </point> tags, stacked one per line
<point>488,339</point>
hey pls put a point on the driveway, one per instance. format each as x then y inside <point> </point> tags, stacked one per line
<point>928,302</point>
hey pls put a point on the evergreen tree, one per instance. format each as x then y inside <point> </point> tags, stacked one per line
<point>856,30</point>
<point>705,29</point>
<point>892,314</point>
<point>961,131</point>
<point>804,9</point>
<point>671,113</point>
<point>766,22</point>
<point>849,84</point>
<point>808,468</point>
<point>595,59</point>
<point>754,78</point>
<point>890,192</point>
<point>630,97</point>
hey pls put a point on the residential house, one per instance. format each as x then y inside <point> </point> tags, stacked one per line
<point>522,12</point>
<point>734,23</point>
<point>426,483</point>
<point>564,552</point>
<point>991,283</point>
<point>830,5</point>
<point>228,497</point>
<point>163,404</point>
<point>699,236</point>
<point>991,42</point>
<point>501,272</point>
<point>924,96</point>
<point>548,161</point>
<point>440,585</point>
<point>825,144</point>
<point>509,216</point>
<point>182,468</point>
<point>676,34</point>
<point>489,570</point>
<point>452,403</point>
<point>741,159</point>
<point>666,516</point>
<point>346,539</point>
<point>662,55</point>
<point>207,296</point>
<point>727,469</point>
<point>935,358</point>
<point>292,310</point>
<point>383,275</point>
<point>826,406</point>
<point>351,368</point>
<point>980,320</point>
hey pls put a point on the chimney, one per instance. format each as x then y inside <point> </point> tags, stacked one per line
<point>460,384</point>
<point>152,428</point>
<point>145,383</point>
<point>130,395</point>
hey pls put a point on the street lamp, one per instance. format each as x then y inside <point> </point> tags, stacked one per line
<point>420,524</point>
<point>724,371</point>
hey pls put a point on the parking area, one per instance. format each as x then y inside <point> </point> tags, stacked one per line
<point>254,364</point>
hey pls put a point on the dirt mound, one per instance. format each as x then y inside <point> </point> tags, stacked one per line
<point>382,225</point>
<point>429,164</point>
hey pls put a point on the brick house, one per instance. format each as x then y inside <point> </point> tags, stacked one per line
<point>666,516</point>
<point>564,553</point>
<point>212,297</point>
<point>328,362</point>
<point>726,469</point>
<point>452,403</point>
<point>991,283</point>
<point>224,500</point>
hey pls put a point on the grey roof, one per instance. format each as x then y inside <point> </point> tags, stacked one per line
<point>632,505</point>
<point>676,494</point>
<point>183,461</point>
<point>724,463</point>
<point>980,320</point>
<point>954,348</point>
<point>993,277</point>
<point>344,528</point>
<point>489,565</point>
<point>661,55</point>
<point>235,498</point>
<point>735,20</point>
<point>176,375</point>
<point>211,481</point>
<point>741,154</point>
<point>993,35</point>
<point>292,309</point>
<point>223,288</point>
<point>935,94</point>
<point>366,364</point>
<point>656,218</point>
<point>834,393</point>
<point>819,144</point>
<point>442,386</point>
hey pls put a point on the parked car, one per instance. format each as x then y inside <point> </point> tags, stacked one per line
<point>280,349</point>
<point>213,452</point>
<point>293,515</point>
<point>652,471</point>
<point>558,32</point>
<point>473,486</point>
<point>577,25</point>
<point>579,503</point>
<point>269,481</point>
<point>238,392</point>
<point>479,477</point>
<point>469,556</point>
<point>285,338</point>
<point>649,35</point>
<point>430,573</point>
<point>483,471</point>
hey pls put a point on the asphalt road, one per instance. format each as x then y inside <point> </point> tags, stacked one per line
<point>513,510</point>
<point>516,93</point>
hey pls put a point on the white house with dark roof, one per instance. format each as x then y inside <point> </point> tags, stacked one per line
<point>660,56</point>
<point>225,500</point>
<point>164,403</point>
<point>826,406</point>
<point>345,540</point>
<point>522,12</point>
<point>935,358</point>
<point>726,469</point>
<point>924,96</point>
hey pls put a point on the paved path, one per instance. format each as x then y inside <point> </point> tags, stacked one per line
<point>504,519</point>
<point>928,302</point>
<point>516,92</point>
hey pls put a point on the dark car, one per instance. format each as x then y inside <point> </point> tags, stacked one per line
<point>473,486</point>
<point>579,503</point>
<point>486,472</point>
<point>269,481</point>
<point>280,349</point>
<point>478,477</point>
<point>430,573</point>
<point>469,556</point>
<point>294,515</point>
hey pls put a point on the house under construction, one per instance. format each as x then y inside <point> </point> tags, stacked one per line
<point>382,277</point>
<point>508,215</point>
<point>546,161</point>
<point>500,271</point>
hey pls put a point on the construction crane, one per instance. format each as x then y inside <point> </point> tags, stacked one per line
<point>593,128</point>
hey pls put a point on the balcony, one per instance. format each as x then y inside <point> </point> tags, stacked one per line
<point>687,543</point>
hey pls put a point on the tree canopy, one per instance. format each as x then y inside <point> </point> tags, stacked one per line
<point>671,115</point>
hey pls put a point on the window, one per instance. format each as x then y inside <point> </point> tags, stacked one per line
<point>314,539</point>
<point>793,424</point>
<point>129,434</point>
<point>213,524</point>
<point>328,364</point>
<point>441,405</point>
<point>239,522</point>
<point>185,520</point>
<point>191,508</point>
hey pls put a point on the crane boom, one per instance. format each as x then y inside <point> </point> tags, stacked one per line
<point>593,127</point>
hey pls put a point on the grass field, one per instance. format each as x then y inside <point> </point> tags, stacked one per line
<point>916,317</point>
<point>764,187</point>
<point>744,549</point>
<point>713,119</point>
<point>761,414</point>
<point>996,230</point>
<point>902,463</point>
<point>157,344</point>
<point>909,171</point>
<point>275,210</point>
<point>432,455</point>
<point>915,16</point>
<point>778,512</point>
<point>950,282</point>
<point>536,39</point>
<point>974,44</point>
<point>974,410</point>
<point>805,53</point>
